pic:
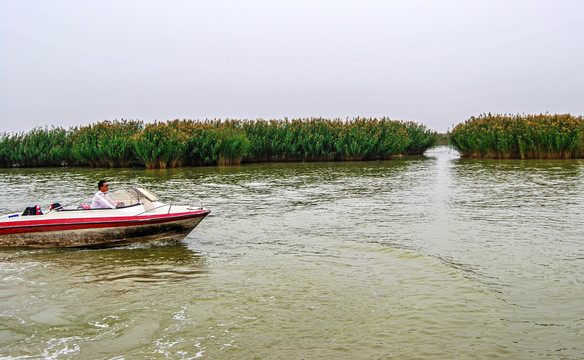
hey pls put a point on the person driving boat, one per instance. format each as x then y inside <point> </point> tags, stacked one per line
<point>101,200</point>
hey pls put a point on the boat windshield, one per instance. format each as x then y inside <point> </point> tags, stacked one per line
<point>124,197</point>
<point>142,194</point>
<point>132,196</point>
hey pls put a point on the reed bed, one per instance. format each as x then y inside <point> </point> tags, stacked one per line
<point>318,139</point>
<point>40,147</point>
<point>161,145</point>
<point>542,136</point>
<point>214,142</point>
<point>108,143</point>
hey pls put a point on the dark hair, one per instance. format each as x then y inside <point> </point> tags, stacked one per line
<point>100,183</point>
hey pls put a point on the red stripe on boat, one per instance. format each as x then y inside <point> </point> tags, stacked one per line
<point>40,225</point>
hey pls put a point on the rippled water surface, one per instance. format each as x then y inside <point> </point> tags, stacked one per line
<point>428,258</point>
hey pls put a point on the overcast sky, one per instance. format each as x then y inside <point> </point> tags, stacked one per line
<point>437,63</point>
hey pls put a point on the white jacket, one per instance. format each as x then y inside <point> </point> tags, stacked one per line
<point>102,201</point>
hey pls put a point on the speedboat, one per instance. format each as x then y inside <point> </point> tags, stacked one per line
<point>139,217</point>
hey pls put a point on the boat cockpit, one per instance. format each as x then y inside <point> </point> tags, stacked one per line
<point>136,195</point>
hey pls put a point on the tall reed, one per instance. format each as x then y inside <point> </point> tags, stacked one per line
<point>422,138</point>
<point>232,143</point>
<point>39,147</point>
<point>108,143</point>
<point>202,143</point>
<point>318,139</point>
<point>215,142</point>
<point>520,136</point>
<point>369,139</point>
<point>161,145</point>
<point>265,140</point>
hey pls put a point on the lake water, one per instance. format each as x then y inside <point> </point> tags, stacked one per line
<point>422,258</point>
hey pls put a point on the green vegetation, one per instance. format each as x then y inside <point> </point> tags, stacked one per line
<point>421,138</point>
<point>442,139</point>
<point>541,136</point>
<point>318,139</point>
<point>214,142</point>
<point>39,147</point>
<point>230,142</point>
<point>104,144</point>
<point>160,145</point>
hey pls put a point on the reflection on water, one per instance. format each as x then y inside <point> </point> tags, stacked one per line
<point>431,257</point>
<point>157,263</point>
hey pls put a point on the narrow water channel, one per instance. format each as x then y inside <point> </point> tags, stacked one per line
<point>435,257</point>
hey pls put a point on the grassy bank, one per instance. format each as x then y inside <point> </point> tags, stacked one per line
<point>541,136</point>
<point>214,142</point>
